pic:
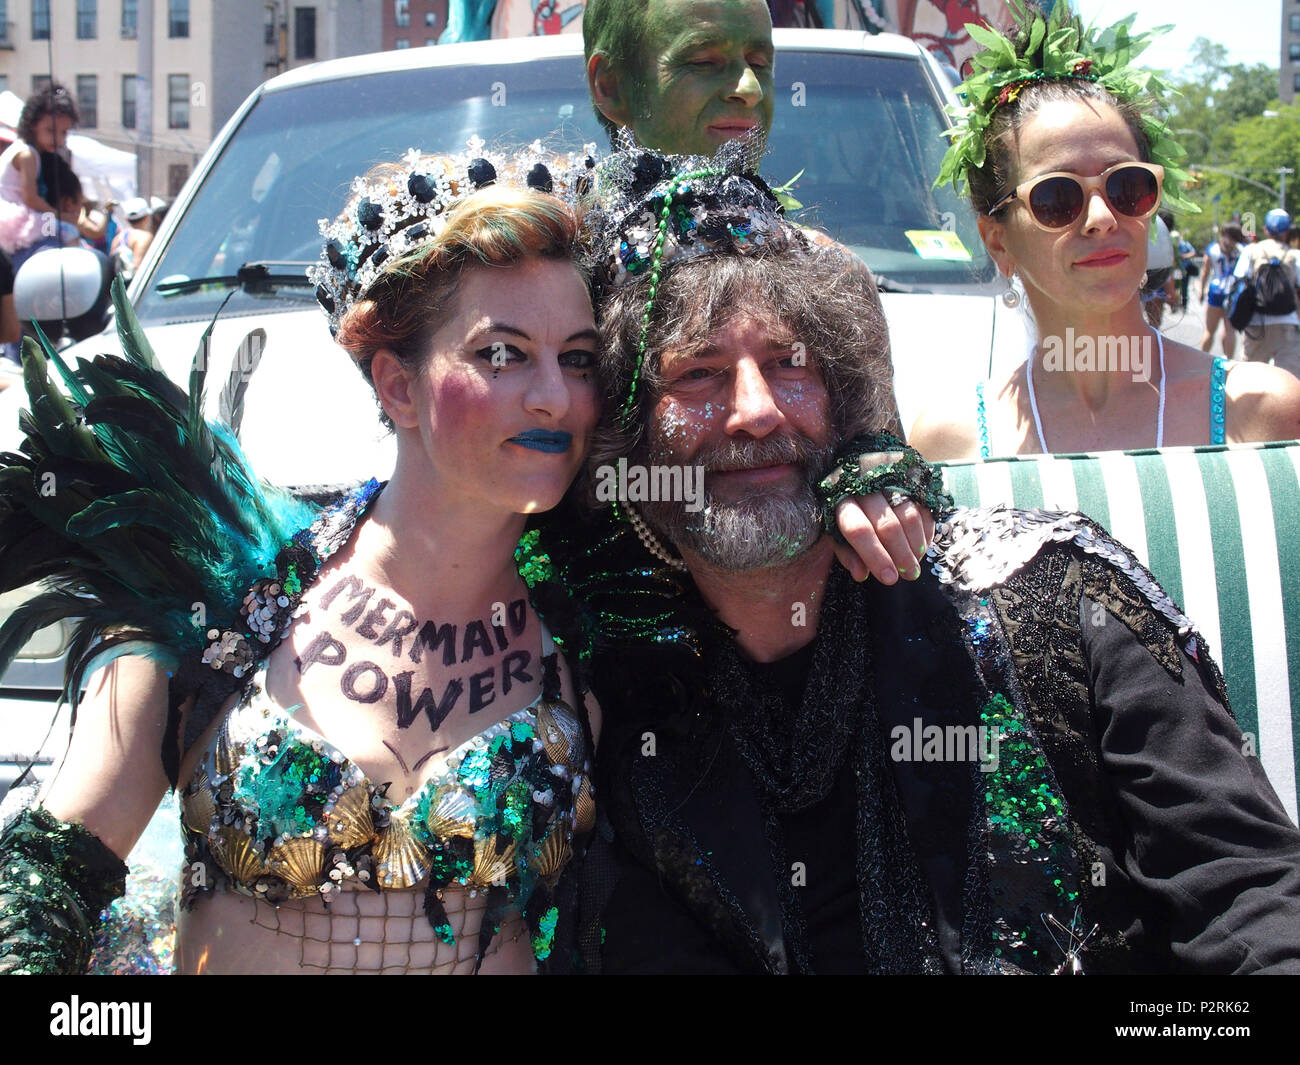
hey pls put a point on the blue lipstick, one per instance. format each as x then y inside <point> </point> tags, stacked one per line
<point>548,440</point>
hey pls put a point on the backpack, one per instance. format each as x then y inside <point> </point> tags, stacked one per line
<point>1271,290</point>
<point>1275,288</point>
<point>1240,303</point>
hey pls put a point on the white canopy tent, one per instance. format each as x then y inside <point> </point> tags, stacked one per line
<point>106,173</point>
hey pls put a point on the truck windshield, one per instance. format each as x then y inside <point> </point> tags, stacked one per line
<point>864,130</point>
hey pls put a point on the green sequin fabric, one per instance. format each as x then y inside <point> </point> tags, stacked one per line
<point>1028,836</point>
<point>55,880</point>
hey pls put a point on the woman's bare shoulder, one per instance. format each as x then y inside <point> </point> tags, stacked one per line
<point>947,430</point>
<point>1263,403</point>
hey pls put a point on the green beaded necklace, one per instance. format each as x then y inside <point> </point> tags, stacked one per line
<point>656,258</point>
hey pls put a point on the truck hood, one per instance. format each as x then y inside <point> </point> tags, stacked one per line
<point>309,415</point>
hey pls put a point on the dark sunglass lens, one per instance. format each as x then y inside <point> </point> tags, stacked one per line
<point>1133,190</point>
<point>1056,202</point>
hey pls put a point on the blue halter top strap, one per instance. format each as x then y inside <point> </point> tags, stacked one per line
<point>981,420</point>
<point>1218,405</point>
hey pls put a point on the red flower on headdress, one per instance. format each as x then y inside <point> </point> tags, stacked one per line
<point>1010,93</point>
<point>1083,67</point>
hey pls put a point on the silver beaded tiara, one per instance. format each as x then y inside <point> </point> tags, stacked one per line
<point>389,216</point>
<point>653,209</point>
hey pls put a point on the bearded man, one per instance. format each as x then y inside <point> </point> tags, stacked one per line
<point>1022,762</point>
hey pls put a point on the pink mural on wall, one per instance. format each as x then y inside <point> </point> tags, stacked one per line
<point>937,24</point>
<point>536,18</point>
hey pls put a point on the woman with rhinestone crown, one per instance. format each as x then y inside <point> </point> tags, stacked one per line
<point>382,761</point>
<point>1066,167</point>
<point>381,758</point>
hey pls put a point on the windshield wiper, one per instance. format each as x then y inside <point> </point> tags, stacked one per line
<point>887,284</point>
<point>256,278</point>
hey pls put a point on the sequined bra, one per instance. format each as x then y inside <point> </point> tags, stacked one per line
<point>281,813</point>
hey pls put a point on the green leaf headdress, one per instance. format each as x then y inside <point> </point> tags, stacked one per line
<point>1057,48</point>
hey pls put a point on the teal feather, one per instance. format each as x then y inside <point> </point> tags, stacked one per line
<point>75,388</point>
<point>151,508</point>
<point>141,506</point>
<point>135,345</point>
<point>141,382</point>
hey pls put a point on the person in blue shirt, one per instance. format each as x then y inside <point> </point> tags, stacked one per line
<point>1220,261</point>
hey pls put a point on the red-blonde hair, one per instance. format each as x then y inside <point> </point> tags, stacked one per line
<point>497,226</point>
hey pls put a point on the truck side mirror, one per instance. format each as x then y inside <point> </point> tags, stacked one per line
<point>58,284</point>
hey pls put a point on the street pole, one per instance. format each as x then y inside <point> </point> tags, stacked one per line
<point>144,99</point>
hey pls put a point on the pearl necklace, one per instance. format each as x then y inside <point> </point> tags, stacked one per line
<point>650,541</point>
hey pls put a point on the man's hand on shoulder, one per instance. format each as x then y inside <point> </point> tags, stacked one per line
<point>883,539</point>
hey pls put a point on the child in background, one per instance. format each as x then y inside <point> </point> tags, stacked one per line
<point>43,127</point>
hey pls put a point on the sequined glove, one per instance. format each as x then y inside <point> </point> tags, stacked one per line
<point>55,880</point>
<point>881,463</point>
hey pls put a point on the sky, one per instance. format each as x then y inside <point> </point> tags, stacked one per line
<point>1249,29</point>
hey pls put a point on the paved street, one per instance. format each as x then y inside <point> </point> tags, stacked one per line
<point>1188,327</point>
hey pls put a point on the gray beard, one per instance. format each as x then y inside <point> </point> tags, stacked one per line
<point>758,530</point>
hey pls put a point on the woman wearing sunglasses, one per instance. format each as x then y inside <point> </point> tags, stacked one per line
<point>1066,170</point>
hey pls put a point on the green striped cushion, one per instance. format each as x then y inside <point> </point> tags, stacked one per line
<point>1193,516</point>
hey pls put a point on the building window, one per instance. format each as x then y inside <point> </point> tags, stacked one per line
<point>178,21</point>
<point>176,175</point>
<point>269,26</point>
<point>4,82</point>
<point>87,20</point>
<point>431,17</point>
<point>178,101</point>
<point>401,42</point>
<point>130,17</point>
<point>1295,82</point>
<point>1295,23</point>
<point>304,33</point>
<point>6,30</point>
<point>40,20</point>
<point>128,101</point>
<point>87,100</point>
<point>402,13</point>
<point>40,81</point>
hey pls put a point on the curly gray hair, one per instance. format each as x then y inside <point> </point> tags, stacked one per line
<point>823,298</point>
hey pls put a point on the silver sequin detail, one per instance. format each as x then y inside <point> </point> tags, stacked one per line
<point>977,549</point>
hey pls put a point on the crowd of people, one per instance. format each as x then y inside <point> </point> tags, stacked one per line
<point>44,204</point>
<point>486,718</point>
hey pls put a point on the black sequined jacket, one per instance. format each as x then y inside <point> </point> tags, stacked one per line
<point>1124,800</point>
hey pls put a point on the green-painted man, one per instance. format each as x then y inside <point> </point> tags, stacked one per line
<point>683,75</point>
